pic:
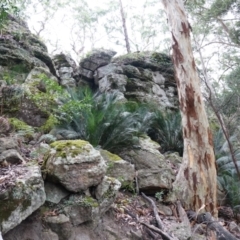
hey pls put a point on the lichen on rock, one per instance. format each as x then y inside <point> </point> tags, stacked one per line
<point>75,164</point>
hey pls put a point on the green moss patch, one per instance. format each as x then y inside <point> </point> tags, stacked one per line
<point>89,201</point>
<point>63,144</point>
<point>49,124</point>
<point>110,156</point>
<point>70,147</point>
<point>19,125</point>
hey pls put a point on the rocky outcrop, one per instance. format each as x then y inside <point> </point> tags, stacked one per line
<point>66,70</point>
<point>21,51</point>
<point>97,58</point>
<point>21,199</point>
<point>23,57</point>
<point>145,77</point>
<point>77,190</point>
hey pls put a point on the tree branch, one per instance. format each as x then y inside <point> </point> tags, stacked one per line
<point>157,230</point>
<point>155,210</point>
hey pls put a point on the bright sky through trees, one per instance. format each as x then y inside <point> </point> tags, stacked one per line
<point>62,25</point>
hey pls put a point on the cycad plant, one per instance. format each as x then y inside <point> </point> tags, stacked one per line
<point>102,120</point>
<point>227,174</point>
<point>167,131</point>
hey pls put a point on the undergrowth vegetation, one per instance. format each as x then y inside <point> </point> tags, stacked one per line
<point>167,130</point>
<point>102,120</point>
<point>227,174</point>
<point>111,124</point>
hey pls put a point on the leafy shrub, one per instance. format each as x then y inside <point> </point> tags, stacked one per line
<point>46,93</point>
<point>102,120</point>
<point>227,174</point>
<point>167,131</point>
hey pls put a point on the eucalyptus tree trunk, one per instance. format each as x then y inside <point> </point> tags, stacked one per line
<point>124,27</point>
<point>196,182</point>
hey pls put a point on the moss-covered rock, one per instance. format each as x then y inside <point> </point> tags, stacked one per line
<point>75,164</point>
<point>49,124</point>
<point>119,169</point>
<point>23,129</point>
<point>152,60</point>
<point>18,46</point>
<point>22,199</point>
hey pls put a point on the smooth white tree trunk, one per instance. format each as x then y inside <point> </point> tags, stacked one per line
<point>196,182</point>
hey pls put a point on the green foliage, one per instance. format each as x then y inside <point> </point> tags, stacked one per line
<point>167,131</point>
<point>7,6</point>
<point>127,185</point>
<point>14,74</point>
<point>46,99</point>
<point>227,174</point>
<point>50,124</point>
<point>159,196</point>
<point>11,98</point>
<point>220,7</point>
<point>103,121</point>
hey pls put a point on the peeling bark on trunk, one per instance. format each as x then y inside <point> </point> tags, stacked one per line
<point>196,182</point>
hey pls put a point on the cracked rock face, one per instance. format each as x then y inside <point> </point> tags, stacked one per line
<point>144,77</point>
<point>23,57</point>
<point>97,58</point>
<point>20,50</point>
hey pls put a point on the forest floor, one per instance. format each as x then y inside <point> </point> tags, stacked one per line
<point>136,213</point>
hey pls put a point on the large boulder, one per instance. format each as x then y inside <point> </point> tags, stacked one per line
<point>36,103</point>
<point>119,168</point>
<point>155,172</point>
<point>66,69</point>
<point>146,156</point>
<point>19,200</point>
<point>75,164</point>
<point>153,180</point>
<point>95,59</point>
